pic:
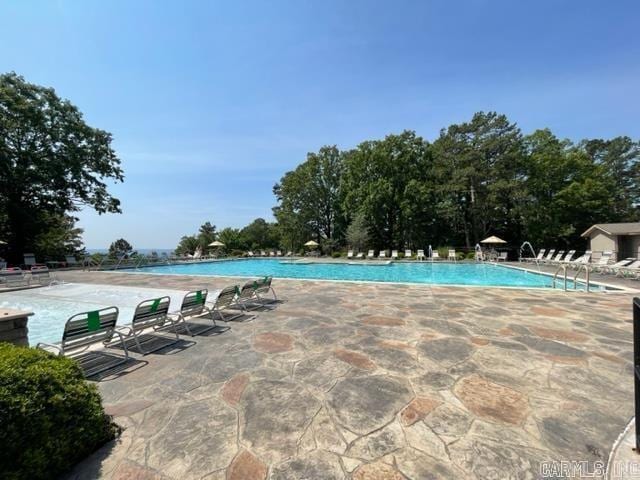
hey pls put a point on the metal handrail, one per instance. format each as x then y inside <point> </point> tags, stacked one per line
<point>585,267</point>
<point>555,276</point>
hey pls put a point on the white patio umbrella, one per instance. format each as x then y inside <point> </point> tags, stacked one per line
<point>216,244</point>
<point>493,240</point>
<point>2,243</point>
<point>311,243</point>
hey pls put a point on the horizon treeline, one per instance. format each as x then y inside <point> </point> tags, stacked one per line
<point>478,178</point>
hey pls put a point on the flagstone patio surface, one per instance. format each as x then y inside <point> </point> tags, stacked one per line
<point>376,381</point>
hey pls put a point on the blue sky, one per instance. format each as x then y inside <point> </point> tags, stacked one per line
<point>211,102</point>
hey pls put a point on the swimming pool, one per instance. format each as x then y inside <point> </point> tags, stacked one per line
<point>443,273</point>
<point>52,306</point>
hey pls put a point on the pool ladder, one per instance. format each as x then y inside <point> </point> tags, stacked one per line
<point>564,268</point>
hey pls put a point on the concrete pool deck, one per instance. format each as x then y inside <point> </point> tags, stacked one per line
<point>377,381</point>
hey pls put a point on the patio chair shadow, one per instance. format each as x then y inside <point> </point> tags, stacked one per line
<point>109,364</point>
<point>155,344</point>
<point>241,318</point>
<point>202,329</point>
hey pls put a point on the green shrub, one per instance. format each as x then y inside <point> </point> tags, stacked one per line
<point>237,253</point>
<point>50,417</point>
<point>471,255</point>
<point>336,254</point>
<point>400,254</point>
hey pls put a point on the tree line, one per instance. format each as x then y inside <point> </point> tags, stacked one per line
<point>478,178</point>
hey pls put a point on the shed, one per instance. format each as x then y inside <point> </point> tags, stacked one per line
<point>621,238</point>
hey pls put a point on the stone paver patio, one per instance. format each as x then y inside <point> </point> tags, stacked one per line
<point>375,381</point>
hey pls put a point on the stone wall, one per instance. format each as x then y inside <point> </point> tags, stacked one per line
<point>13,327</point>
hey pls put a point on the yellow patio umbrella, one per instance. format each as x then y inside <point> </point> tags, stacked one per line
<point>493,240</point>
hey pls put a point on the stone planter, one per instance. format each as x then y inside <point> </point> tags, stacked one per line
<point>13,326</point>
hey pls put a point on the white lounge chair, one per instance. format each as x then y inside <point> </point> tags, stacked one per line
<point>359,256</point>
<point>549,256</point>
<point>567,258</point>
<point>602,262</point>
<point>371,254</point>
<point>382,254</point>
<point>278,253</point>
<point>249,253</point>
<point>558,257</point>
<point>350,254</point>
<point>538,257</point>
<point>407,253</point>
<point>420,255</point>
<point>581,260</point>
<point>452,256</point>
<point>435,255</point>
<point>632,270</point>
<point>502,256</point>
<point>394,254</point>
<point>618,265</point>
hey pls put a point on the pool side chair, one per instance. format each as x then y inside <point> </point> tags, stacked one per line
<point>420,255</point>
<point>193,306</point>
<point>502,256</point>
<point>264,287</point>
<point>567,258</point>
<point>85,330</point>
<point>29,260</point>
<point>407,253</point>
<point>630,271</point>
<point>549,256</point>
<point>289,254</point>
<point>558,257</point>
<point>616,266</point>
<point>537,258</point>
<point>602,262</point>
<point>382,254</point>
<point>246,297</point>
<point>371,254</point>
<point>225,300</point>
<point>452,256</point>
<point>14,277</point>
<point>249,253</point>
<point>350,254</point>
<point>359,256</point>
<point>272,253</point>
<point>394,254</point>
<point>581,260</point>
<point>435,255</point>
<point>151,314</point>
<point>42,275</point>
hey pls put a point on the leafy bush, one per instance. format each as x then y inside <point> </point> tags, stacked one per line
<point>336,254</point>
<point>237,253</point>
<point>400,254</point>
<point>50,417</point>
<point>471,255</point>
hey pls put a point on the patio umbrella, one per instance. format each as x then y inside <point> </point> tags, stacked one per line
<point>216,244</point>
<point>2,243</point>
<point>493,240</point>
<point>311,243</point>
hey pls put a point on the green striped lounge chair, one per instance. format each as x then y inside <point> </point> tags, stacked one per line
<point>85,330</point>
<point>152,314</point>
<point>263,287</point>
<point>194,306</point>
<point>247,297</point>
<point>225,300</point>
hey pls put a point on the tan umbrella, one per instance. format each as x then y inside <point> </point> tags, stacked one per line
<point>216,244</point>
<point>493,240</point>
<point>311,243</point>
<point>2,243</point>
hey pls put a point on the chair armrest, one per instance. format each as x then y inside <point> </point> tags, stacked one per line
<point>48,346</point>
<point>123,330</point>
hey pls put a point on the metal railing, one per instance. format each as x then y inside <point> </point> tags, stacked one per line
<point>565,268</point>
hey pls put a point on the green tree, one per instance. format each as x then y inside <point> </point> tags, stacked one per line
<point>231,238</point>
<point>60,237</point>
<point>260,234</point>
<point>357,233</point>
<point>51,163</point>
<point>309,196</point>
<point>478,167</point>
<point>188,245</point>
<point>375,183</point>
<point>206,235</point>
<point>121,248</point>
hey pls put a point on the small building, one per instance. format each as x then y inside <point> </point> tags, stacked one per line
<point>623,239</point>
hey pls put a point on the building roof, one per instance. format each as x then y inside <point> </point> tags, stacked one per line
<point>632,228</point>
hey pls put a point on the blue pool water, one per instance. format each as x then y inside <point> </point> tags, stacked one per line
<point>416,272</point>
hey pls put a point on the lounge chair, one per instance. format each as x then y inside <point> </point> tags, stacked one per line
<point>535,259</point>
<point>194,306</point>
<point>29,260</point>
<point>249,253</point>
<point>263,287</point>
<point>246,297</point>
<point>632,270</point>
<point>618,265</point>
<point>382,254</point>
<point>279,253</point>
<point>3,265</point>
<point>371,254</point>
<point>394,254</point>
<point>359,256</point>
<point>420,255</point>
<point>263,253</point>
<point>225,299</point>
<point>452,256</point>
<point>567,258</point>
<point>435,255</point>
<point>407,253</point>
<point>272,253</point>
<point>602,262</point>
<point>350,254</point>
<point>84,330</point>
<point>289,254</point>
<point>502,256</point>
<point>581,260</point>
<point>558,257</point>
<point>42,275</point>
<point>150,314</point>
<point>14,277</point>
<point>71,261</point>
<point>549,256</point>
